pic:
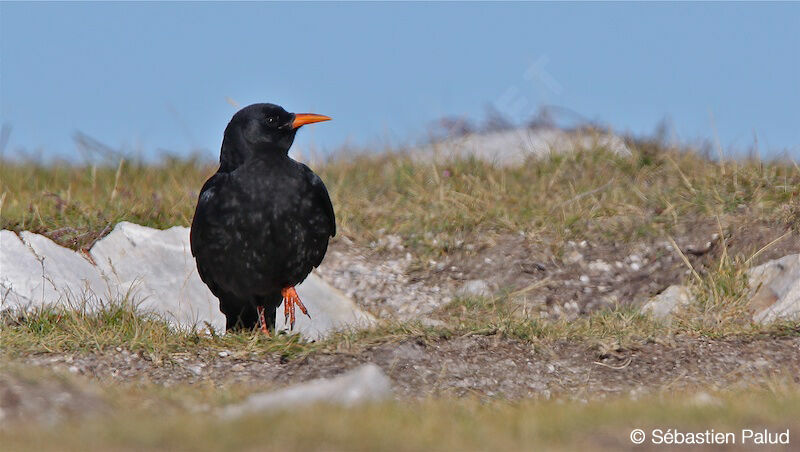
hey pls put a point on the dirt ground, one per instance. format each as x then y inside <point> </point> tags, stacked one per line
<point>553,278</point>
<point>486,367</point>
<point>577,278</point>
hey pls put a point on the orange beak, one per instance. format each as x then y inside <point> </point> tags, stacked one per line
<point>301,119</point>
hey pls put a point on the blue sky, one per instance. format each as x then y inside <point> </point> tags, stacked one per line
<point>156,76</point>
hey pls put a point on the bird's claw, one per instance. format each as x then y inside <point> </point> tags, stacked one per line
<point>290,301</point>
<point>262,320</point>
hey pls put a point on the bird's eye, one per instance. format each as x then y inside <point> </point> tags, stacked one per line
<point>270,119</point>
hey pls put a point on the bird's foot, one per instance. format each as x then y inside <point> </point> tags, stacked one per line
<point>290,300</point>
<point>262,321</point>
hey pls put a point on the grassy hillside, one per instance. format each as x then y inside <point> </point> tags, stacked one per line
<point>458,211</point>
<point>552,200</point>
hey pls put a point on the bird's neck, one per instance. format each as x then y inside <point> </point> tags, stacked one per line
<point>234,155</point>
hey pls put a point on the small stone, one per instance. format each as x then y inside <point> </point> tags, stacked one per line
<point>367,383</point>
<point>434,323</point>
<point>775,288</point>
<point>704,399</point>
<point>475,287</point>
<point>599,266</point>
<point>573,257</point>
<point>666,303</point>
<point>223,354</point>
<point>584,279</point>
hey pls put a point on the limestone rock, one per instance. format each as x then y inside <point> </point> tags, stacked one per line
<point>71,274</point>
<point>663,305</point>
<point>153,269</point>
<point>21,278</point>
<point>35,271</point>
<point>156,270</point>
<point>367,383</point>
<point>776,289</point>
<point>475,288</point>
<point>512,147</point>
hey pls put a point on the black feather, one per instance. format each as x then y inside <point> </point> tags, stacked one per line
<point>263,221</point>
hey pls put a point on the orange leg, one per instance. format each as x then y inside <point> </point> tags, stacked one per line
<point>290,300</point>
<point>262,321</point>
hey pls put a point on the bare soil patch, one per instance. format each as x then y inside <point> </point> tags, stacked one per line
<point>483,366</point>
<point>570,279</point>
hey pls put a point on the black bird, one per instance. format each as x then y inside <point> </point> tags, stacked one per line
<point>263,221</point>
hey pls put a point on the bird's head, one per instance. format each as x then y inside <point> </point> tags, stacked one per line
<point>265,129</point>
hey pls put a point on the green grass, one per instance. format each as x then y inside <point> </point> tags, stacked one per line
<point>60,330</point>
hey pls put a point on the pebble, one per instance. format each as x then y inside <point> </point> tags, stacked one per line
<point>600,266</point>
<point>573,257</point>
<point>475,287</point>
<point>367,383</point>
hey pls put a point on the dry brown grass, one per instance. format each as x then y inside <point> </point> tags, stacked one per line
<point>183,418</point>
<point>435,208</point>
<point>431,206</point>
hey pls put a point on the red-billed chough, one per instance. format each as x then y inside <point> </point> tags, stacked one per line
<point>263,221</point>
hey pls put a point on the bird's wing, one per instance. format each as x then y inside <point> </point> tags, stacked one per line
<point>207,193</point>
<point>322,198</point>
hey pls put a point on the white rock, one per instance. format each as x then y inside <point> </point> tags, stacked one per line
<point>668,302</point>
<point>330,311</point>
<point>159,268</point>
<point>600,266</point>
<point>776,286</point>
<point>704,399</point>
<point>364,384</point>
<point>38,271</point>
<point>512,147</point>
<point>71,274</point>
<point>475,287</point>
<point>21,278</point>
<point>433,323</point>
<point>153,268</point>
<point>573,257</point>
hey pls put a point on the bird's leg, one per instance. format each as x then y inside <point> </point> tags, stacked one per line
<point>262,321</point>
<point>290,300</point>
